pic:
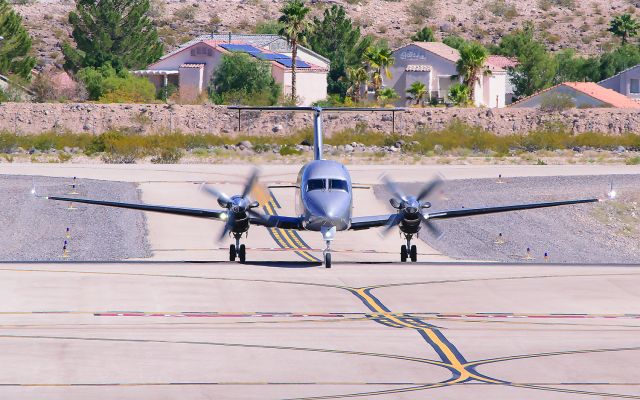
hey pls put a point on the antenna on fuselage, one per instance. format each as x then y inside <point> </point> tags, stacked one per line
<point>317,118</point>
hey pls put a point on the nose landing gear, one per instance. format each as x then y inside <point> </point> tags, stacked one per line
<point>408,251</point>
<point>328,233</point>
<point>237,250</point>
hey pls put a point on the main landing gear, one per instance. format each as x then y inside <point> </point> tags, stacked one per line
<point>408,250</point>
<point>237,250</point>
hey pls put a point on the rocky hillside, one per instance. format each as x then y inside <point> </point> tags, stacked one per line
<point>563,23</point>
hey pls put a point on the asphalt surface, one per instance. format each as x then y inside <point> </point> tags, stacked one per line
<point>151,330</point>
<point>587,233</point>
<point>36,229</point>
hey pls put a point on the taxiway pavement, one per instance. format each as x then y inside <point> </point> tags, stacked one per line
<point>153,330</point>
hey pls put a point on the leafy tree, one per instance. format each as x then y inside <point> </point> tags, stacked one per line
<point>268,27</point>
<point>16,44</point>
<point>357,78</point>
<point>424,35</point>
<point>295,28</point>
<point>108,85</point>
<point>118,32</point>
<point>471,65</point>
<point>624,26</point>
<point>387,95</point>
<point>418,91</point>
<point>454,41</point>
<point>459,94</point>
<point>378,59</point>
<point>574,68</point>
<point>244,79</point>
<point>335,37</point>
<point>537,68</point>
<point>618,60</point>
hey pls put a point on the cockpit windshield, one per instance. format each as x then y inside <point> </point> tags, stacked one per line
<point>327,184</point>
<point>316,184</point>
<point>338,184</point>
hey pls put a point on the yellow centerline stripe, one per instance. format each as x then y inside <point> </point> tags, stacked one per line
<point>285,238</point>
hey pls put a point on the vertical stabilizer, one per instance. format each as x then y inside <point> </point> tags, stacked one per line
<point>317,133</point>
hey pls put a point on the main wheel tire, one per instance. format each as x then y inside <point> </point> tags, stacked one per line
<point>242,254</point>
<point>232,252</point>
<point>414,253</point>
<point>403,253</point>
<point>327,260</point>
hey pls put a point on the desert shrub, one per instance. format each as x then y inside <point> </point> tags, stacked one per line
<point>268,27</point>
<point>420,10</point>
<point>107,85</point>
<point>556,102</point>
<point>185,13</point>
<point>501,8</point>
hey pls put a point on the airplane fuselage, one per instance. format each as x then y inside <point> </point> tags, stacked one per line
<point>324,196</point>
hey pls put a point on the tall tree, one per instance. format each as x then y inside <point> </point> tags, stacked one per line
<point>378,58</point>
<point>418,92</point>
<point>16,44</point>
<point>295,28</point>
<point>537,69</point>
<point>471,65</point>
<point>335,37</point>
<point>118,32</point>
<point>624,26</point>
<point>424,35</point>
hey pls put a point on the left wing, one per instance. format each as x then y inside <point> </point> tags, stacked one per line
<point>359,223</point>
<point>190,212</point>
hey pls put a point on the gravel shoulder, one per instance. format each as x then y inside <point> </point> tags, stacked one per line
<point>35,229</point>
<point>606,232</point>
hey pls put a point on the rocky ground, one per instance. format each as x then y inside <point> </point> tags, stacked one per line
<point>582,26</point>
<point>35,229</point>
<point>606,232</point>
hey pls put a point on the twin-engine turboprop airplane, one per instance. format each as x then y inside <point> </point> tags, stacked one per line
<point>324,202</point>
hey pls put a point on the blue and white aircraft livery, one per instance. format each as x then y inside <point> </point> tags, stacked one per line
<point>324,202</point>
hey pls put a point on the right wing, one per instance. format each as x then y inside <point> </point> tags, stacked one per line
<point>190,212</point>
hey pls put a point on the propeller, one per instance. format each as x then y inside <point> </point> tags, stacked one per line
<point>410,207</point>
<point>237,206</point>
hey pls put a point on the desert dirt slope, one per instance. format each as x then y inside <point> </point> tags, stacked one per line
<point>583,27</point>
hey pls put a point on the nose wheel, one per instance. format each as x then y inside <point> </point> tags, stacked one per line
<point>237,250</point>
<point>408,251</point>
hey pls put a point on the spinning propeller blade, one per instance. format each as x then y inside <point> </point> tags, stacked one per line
<point>429,187</point>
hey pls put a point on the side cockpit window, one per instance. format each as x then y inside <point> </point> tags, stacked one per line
<point>316,184</point>
<point>338,184</point>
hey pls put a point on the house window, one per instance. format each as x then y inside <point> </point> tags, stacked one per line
<point>634,86</point>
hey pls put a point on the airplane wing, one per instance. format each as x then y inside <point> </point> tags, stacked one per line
<point>269,221</point>
<point>359,223</point>
<point>190,212</point>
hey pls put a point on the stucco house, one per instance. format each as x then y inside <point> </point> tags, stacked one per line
<point>434,64</point>
<point>191,66</point>
<point>626,82</point>
<point>583,94</point>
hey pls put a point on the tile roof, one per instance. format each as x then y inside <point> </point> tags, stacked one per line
<point>502,61</point>
<point>418,68</point>
<point>440,49</point>
<point>592,89</point>
<point>193,65</point>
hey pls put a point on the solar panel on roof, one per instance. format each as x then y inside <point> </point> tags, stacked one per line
<point>270,56</point>
<point>288,63</point>
<point>245,48</point>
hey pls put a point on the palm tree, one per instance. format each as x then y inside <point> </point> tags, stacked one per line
<point>295,28</point>
<point>459,94</point>
<point>387,95</point>
<point>471,65</point>
<point>357,78</point>
<point>418,90</point>
<point>378,58</point>
<point>624,26</point>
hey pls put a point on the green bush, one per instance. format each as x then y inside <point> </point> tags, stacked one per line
<point>556,102</point>
<point>242,79</point>
<point>107,85</point>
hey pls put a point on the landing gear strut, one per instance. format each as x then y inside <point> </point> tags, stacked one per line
<point>237,250</point>
<point>328,233</point>
<point>408,250</point>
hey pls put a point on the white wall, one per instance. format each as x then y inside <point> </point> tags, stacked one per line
<point>174,62</point>
<point>621,83</point>
<point>310,86</point>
